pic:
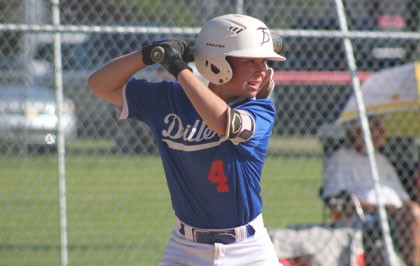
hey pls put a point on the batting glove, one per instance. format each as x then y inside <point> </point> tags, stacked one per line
<point>167,51</point>
<point>173,57</point>
<point>267,84</point>
<point>149,57</point>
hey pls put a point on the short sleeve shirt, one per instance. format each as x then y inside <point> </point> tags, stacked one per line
<point>213,182</point>
<point>349,170</point>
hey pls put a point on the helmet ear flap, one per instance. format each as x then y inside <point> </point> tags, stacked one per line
<point>217,71</point>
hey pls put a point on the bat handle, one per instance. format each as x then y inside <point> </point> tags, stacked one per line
<point>277,43</point>
<point>157,54</point>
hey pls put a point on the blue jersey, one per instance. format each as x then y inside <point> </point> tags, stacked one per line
<point>213,182</point>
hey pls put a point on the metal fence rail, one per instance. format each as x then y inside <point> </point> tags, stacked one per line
<point>78,187</point>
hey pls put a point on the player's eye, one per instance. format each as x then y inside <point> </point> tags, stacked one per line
<point>255,62</point>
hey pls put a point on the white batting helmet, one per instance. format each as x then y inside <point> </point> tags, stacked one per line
<point>231,35</point>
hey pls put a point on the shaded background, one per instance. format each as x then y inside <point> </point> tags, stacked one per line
<point>118,209</point>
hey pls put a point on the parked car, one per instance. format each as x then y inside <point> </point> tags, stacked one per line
<point>28,117</point>
<point>96,116</point>
<point>4,62</point>
<point>9,69</point>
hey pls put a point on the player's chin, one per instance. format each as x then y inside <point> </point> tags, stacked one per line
<point>253,87</point>
<point>250,94</point>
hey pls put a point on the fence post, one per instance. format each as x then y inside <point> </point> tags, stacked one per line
<point>58,75</point>
<point>366,132</point>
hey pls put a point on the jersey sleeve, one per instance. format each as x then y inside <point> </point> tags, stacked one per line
<point>144,100</point>
<point>263,114</point>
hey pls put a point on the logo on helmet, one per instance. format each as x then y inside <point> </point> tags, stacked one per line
<point>265,35</point>
<point>215,45</point>
<point>235,29</point>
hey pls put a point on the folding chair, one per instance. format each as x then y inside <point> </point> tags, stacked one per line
<point>318,245</point>
<point>322,244</point>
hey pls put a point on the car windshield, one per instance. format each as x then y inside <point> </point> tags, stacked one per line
<point>11,92</point>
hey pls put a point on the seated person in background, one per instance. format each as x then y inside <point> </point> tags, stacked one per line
<point>348,169</point>
<point>417,185</point>
<point>402,152</point>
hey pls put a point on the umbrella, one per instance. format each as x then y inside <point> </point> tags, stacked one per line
<point>393,93</point>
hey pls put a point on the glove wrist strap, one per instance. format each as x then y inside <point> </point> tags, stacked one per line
<point>146,55</point>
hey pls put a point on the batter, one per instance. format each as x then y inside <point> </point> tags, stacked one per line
<point>212,138</point>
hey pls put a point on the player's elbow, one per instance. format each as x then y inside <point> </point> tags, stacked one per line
<point>94,84</point>
<point>97,86</point>
<point>105,91</point>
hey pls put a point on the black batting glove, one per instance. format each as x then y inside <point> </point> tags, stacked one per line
<point>147,53</point>
<point>175,56</point>
<point>149,57</point>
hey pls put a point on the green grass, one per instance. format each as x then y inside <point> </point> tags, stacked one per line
<point>118,207</point>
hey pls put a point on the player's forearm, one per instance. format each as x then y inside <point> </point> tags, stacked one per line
<point>211,108</point>
<point>107,82</point>
<point>371,208</point>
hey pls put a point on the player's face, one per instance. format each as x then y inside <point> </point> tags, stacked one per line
<point>377,130</point>
<point>378,134</point>
<point>248,73</point>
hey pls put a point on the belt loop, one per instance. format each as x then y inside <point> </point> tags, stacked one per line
<point>241,233</point>
<point>182,229</point>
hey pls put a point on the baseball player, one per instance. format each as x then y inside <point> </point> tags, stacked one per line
<point>212,139</point>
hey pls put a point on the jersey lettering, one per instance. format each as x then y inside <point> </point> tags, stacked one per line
<point>217,176</point>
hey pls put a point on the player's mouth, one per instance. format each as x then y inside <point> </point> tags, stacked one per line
<point>254,84</point>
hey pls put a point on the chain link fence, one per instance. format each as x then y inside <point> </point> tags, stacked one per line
<point>79,187</point>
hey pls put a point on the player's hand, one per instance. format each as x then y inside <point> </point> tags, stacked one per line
<point>267,84</point>
<point>171,54</point>
<point>154,53</point>
<point>175,55</point>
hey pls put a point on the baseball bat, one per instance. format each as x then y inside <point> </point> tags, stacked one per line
<point>158,53</point>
